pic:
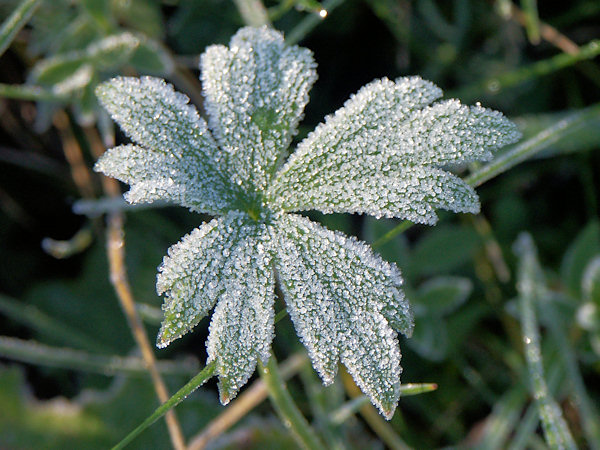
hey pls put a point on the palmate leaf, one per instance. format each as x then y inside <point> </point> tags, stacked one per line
<point>382,154</point>
<point>385,153</point>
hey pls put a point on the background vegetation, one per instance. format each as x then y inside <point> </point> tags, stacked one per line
<point>488,304</point>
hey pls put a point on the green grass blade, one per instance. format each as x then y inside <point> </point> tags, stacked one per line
<point>496,84</point>
<point>534,145</point>
<point>33,93</point>
<point>306,25</point>
<point>532,24</point>
<point>39,321</point>
<point>553,423</point>
<point>285,406</point>
<point>66,358</point>
<point>179,396</point>
<point>15,22</point>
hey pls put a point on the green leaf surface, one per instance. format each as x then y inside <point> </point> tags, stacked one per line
<point>590,283</point>
<point>442,295</point>
<point>581,251</point>
<point>443,249</point>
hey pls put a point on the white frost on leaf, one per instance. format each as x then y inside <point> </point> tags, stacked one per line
<point>255,93</point>
<point>344,301</point>
<point>383,153</point>
<point>174,143</point>
<point>228,262</point>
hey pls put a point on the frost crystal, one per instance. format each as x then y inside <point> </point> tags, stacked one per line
<point>385,153</point>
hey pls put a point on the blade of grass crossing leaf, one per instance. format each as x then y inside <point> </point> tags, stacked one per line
<point>15,22</point>
<point>555,428</point>
<point>253,12</point>
<point>177,398</point>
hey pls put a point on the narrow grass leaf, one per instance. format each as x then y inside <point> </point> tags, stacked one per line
<point>555,427</point>
<point>17,20</point>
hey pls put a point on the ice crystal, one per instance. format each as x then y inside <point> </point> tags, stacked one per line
<point>385,153</point>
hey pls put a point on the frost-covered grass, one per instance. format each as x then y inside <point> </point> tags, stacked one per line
<point>318,246</point>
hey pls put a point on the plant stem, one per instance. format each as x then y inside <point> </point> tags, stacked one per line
<point>285,406</point>
<point>166,407</point>
<point>253,12</point>
<point>15,22</point>
<point>251,397</point>
<point>115,248</point>
<point>33,93</point>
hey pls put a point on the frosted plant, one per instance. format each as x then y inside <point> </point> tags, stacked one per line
<point>383,153</point>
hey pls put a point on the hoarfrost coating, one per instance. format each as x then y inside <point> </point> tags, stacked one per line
<point>384,153</point>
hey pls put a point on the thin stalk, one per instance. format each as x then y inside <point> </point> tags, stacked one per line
<point>118,277</point>
<point>399,229</point>
<point>98,207</point>
<point>244,403</point>
<point>32,352</point>
<point>115,249</point>
<point>37,320</point>
<point>33,93</point>
<point>532,20</point>
<point>285,406</point>
<point>554,425</point>
<point>15,22</point>
<point>253,12</point>
<point>306,25</point>
<point>166,407</point>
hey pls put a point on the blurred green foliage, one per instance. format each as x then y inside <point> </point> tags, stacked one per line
<point>461,275</point>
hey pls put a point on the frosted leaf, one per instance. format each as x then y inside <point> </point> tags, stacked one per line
<point>170,131</point>
<point>242,325</point>
<point>344,300</point>
<point>255,93</point>
<point>382,154</point>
